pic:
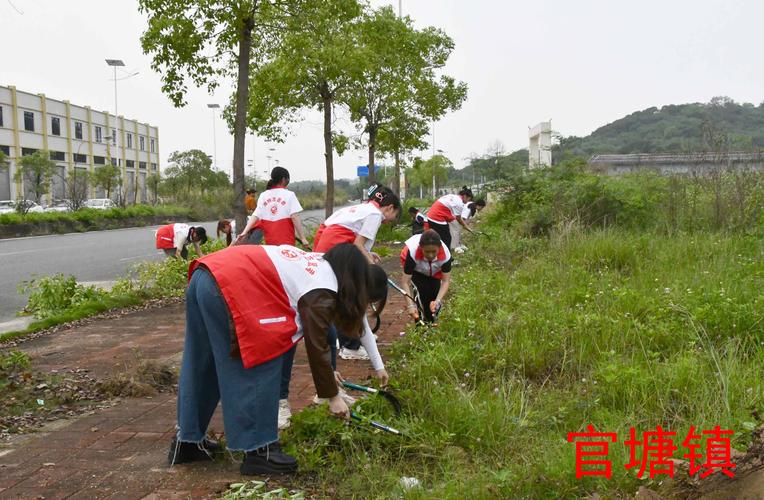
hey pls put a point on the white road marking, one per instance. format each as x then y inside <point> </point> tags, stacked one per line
<point>137,257</point>
<point>25,251</point>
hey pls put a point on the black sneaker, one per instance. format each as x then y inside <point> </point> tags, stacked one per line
<point>268,460</point>
<point>181,453</point>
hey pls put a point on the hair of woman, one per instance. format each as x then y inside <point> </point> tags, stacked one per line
<point>222,223</point>
<point>465,191</point>
<point>430,237</point>
<point>384,196</point>
<point>278,175</point>
<point>377,288</point>
<point>352,271</point>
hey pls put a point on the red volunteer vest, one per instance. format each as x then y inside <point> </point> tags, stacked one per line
<point>166,237</point>
<point>329,236</point>
<point>440,212</point>
<point>334,234</point>
<point>264,318</point>
<point>422,265</point>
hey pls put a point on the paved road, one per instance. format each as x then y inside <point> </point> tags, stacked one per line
<point>93,256</point>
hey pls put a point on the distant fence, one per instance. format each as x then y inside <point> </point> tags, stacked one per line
<point>699,163</point>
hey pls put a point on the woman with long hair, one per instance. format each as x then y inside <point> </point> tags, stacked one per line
<point>246,306</point>
<point>276,214</point>
<point>227,228</point>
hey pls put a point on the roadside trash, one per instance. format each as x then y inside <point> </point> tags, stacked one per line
<point>41,402</point>
<point>410,482</point>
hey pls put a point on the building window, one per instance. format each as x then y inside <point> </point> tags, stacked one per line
<point>153,166</point>
<point>142,142</point>
<point>28,151</point>
<point>129,140</point>
<point>142,164</point>
<point>58,156</point>
<point>98,134</point>
<point>113,162</point>
<point>153,146</point>
<point>55,126</point>
<point>1,116</point>
<point>6,150</point>
<point>29,121</point>
<point>114,136</point>
<point>78,130</point>
<point>80,158</point>
<point>99,160</point>
<point>130,163</point>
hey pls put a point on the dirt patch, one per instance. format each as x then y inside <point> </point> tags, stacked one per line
<point>148,379</point>
<point>32,399</point>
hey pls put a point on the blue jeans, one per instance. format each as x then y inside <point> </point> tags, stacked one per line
<point>286,369</point>
<point>286,372</point>
<point>208,374</point>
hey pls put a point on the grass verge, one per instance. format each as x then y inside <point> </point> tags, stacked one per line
<point>542,337</point>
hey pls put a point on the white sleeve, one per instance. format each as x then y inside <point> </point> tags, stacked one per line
<point>294,205</point>
<point>457,208</point>
<point>368,342</point>
<point>370,226</point>
<point>466,211</point>
<point>179,238</point>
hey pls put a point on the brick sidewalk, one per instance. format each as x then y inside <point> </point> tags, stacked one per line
<point>121,452</point>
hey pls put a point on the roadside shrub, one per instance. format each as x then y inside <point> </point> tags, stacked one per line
<point>52,295</point>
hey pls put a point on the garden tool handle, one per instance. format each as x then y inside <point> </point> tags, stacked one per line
<point>351,385</point>
<point>374,424</point>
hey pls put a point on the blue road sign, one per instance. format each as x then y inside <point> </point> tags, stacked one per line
<point>363,170</point>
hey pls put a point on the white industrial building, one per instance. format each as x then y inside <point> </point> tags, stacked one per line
<point>540,145</point>
<point>76,137</point>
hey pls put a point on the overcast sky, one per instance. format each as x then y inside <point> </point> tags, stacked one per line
<point>581,64</point>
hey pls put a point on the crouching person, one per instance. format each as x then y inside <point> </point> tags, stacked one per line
<point>174,239</point>
<point>246,307</point>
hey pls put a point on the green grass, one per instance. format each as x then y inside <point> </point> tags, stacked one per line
<point>542,337</point>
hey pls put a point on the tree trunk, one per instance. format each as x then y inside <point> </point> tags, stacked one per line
<point>328,150</point>
<point>240,120</point>
<point>372,150</point>
<point>397,182</point>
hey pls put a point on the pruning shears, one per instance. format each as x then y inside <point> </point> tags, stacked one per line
<point>371,390</point>
<point>375,424</point>
<point>416,300</point>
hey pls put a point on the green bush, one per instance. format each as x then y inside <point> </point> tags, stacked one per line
<point>52,295</point>
<point>537,201</point>
<point>91,216</point>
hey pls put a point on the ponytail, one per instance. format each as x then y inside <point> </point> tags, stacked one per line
<point>466,192</point>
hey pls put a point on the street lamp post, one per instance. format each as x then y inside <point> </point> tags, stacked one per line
<point>115,63</point>
<point>213,107</point>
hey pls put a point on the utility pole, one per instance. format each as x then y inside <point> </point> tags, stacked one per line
<point>432,159</point>
<point>213,107</point>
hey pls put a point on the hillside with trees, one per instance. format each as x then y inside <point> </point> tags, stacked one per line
<point>675,128</point>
